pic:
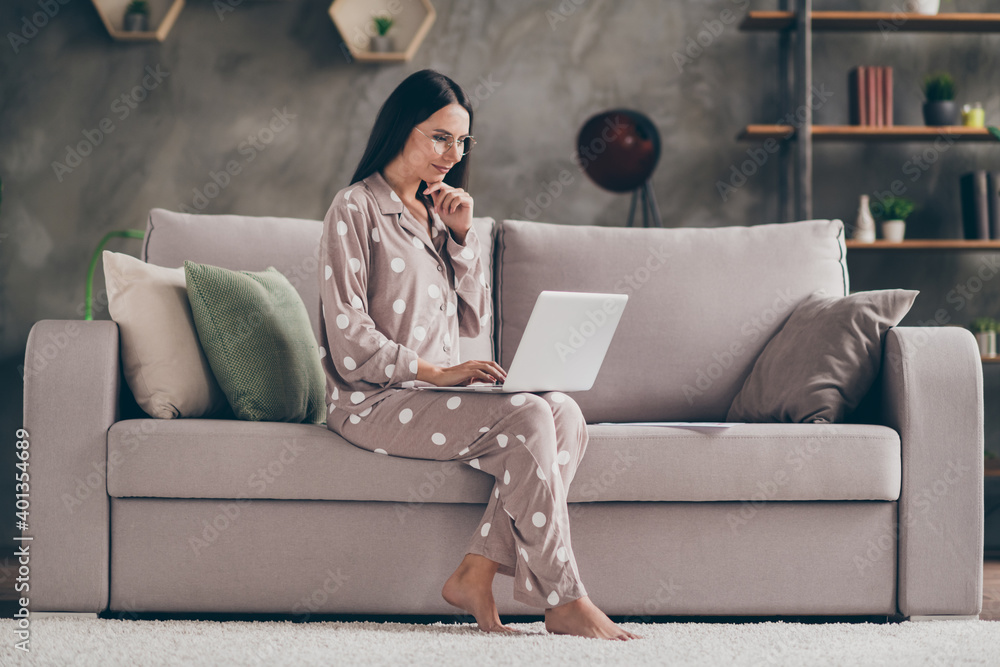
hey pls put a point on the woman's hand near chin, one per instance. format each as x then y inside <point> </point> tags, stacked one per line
<point>453,205</point>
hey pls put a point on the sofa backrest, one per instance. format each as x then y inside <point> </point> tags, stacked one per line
<point>703,303</point>
<point>291,245</point>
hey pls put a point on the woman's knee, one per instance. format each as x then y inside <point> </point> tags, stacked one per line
<point>565,410</point>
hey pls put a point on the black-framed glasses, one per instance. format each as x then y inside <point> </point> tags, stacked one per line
<point>443,142</point>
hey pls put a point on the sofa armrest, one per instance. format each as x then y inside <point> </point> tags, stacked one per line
<point>71,395</point>
<point>932,395</point>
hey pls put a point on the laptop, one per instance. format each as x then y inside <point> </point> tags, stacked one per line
<point>563,345</point>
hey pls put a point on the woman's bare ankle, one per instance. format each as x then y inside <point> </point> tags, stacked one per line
<point>571,606</point>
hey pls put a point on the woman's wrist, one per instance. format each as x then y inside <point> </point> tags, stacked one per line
<point>459,236</point>
<point>426,371</point>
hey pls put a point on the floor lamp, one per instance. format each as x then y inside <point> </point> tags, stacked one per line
<point>618,150</point>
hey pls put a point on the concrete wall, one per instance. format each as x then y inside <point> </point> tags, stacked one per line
<point>538,71</point>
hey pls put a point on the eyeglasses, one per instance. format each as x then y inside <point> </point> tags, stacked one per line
<point>444,142</point>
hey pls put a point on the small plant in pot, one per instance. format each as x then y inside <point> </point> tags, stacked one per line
<point>940,108</point>
<point>892,212</point>
<point>137,16</point>
<point>985,329</point>
<point>382,42</point>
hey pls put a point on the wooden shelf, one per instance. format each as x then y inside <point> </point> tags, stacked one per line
<point>994,360</point>
<point>875,21</point>
<point>991,467</point>
<point>926,244</point>
<point>869,133</point>
<point>162,15</point>
<point>412,19</point>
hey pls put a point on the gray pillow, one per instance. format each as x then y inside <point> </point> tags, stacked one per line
<point>823,361</point>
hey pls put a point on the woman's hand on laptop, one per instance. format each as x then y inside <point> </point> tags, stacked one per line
<point>469,372</point>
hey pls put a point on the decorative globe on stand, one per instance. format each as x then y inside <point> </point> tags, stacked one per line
<point>618,150</point>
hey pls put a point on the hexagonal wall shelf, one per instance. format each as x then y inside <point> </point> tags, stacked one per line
<point>162,14</point>
<point>411,21</point>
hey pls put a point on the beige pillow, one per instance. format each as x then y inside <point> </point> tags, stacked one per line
<point>162,358</point>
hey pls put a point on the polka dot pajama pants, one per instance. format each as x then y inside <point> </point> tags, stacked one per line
<point>531,443</point>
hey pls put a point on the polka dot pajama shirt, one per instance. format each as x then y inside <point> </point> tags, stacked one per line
<point>390,294</point>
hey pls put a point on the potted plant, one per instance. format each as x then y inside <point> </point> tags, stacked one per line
<point>892,212</point>
<point>382,41</point>
<point>924,6</point>
<point>137,16</point>
<point>940,108</point>
<point>985,329</point>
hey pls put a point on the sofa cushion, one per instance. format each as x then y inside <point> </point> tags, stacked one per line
<point>824,359</point>
<point>703,302</point>
<point>253,243</point>
<point>256,335</point>
<point>207,458</point>
<point>162,359</point>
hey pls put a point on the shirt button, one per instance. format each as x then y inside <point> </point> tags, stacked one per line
<point>441,307</point>
<point>440,268</point>
<point>447,348</point>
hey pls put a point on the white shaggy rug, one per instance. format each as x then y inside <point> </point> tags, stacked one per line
<point>109,642</point>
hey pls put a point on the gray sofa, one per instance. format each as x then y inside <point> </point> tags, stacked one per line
<point>882,515</point>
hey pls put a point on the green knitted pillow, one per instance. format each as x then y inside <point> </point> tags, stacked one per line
<point>256,335</point>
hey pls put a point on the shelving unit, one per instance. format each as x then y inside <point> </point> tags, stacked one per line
<point>162,15</point>
<point>412,19</point>
<point>925,244</point>
<point>870,133</point>
<point>796,58</point>
<point>875,21</point>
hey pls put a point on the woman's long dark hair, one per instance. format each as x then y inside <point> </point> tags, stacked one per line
<point>413,101</point>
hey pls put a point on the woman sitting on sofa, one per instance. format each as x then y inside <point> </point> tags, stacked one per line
<point>403,279</point>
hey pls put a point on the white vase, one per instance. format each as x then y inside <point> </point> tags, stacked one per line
<point>923,6</point>
<point>893,230</point>
<point>987,343</point>
<point>864,225</point>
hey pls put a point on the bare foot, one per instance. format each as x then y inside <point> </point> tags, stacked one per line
<point>470,587</point>
<point>582,617</point>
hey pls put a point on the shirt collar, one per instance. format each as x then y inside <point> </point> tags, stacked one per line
<point>388,201</point>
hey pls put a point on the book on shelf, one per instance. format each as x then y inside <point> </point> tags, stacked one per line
<point>870,95</point>
<point>993,202</point>
<point>879,100</point>
<point>887,96</point>
<point>975,205</point>
<point>856,97</point>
